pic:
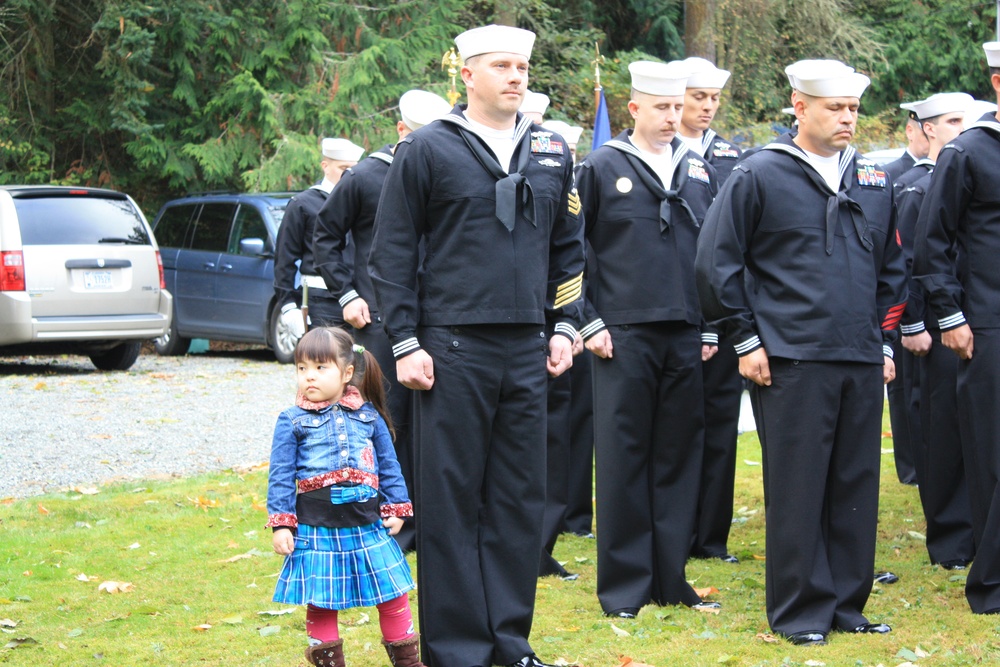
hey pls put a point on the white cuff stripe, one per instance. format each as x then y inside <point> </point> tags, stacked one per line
<point>911,329</point>
<point>405,347</point>
<point>350,296</point>
<point>887,351</point>
<point>710,338</point>
<point>952,321</point>
<point>566,328</point>
<point>592,328</point>
<point>747,345</point>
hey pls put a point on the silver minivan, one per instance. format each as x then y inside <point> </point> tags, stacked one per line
<point>79,272</point>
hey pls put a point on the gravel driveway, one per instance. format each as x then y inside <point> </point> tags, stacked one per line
<point>64,424</point>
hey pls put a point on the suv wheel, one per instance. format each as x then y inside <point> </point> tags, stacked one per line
<point>119,358</point>
<point>283,339</point>
<point>170,344</point>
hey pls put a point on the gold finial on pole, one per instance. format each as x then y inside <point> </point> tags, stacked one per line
<point>450,61</point>
<point>597,62</point>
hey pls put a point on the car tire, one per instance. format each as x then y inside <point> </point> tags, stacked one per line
<point>283,339</point>
<point>119,358</point>
<point>170,344</point>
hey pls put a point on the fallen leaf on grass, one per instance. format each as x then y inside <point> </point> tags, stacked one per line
<point>908,655</point>
<point>86,490</point>
<point>756,557</point>
<point>751,463</point>
<point>917,536</point>
<point>814,663</point>
<point>134,545</point>
<point>27,573</point>
<point>7,623</point>
<point>202,628</point>
<point>75,632</point>
<point>276,612</point>
<point>767,637</point>
<point>249,554</point>
<point>618,631</point>
<point>705,592</point>
<point>709,610</point>
<point>232,620</point>
<point>363,619</point>
<point>42,510</point>
<point>562,662</point>
<point>21,641</point>
<point>204,503</point>
<point>629,662</point>
<point>162,376</point>
<point>269,630</point>
<point>116,587</point>
<point>83,577</point>
<point>40,385</point>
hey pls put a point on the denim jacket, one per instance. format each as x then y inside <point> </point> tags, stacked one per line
<point>322,445</point>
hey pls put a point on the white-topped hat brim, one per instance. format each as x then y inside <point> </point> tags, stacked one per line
<point>495,39</point>
<point>420,107</point>
<point>659,79</point>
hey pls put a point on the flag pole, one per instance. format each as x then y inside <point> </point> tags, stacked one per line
<point>597,62</point>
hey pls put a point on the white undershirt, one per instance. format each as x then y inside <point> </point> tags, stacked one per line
<point>326,186</point>
<point>501,142</point>
<point>661,164</point>
<point>828,168</point>
<point>693,143</point>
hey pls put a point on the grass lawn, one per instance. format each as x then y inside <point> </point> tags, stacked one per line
<point>197,571</point>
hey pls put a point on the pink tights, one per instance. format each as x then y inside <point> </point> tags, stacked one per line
<point>394,619</point>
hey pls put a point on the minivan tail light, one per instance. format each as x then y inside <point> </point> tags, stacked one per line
<point>159,265</point>
<point>11,271</point>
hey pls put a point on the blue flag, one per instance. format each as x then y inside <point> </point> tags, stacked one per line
<point>602,124</point>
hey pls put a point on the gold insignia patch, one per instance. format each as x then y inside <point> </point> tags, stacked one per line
<point>569,291</point>
<point>574,202</point>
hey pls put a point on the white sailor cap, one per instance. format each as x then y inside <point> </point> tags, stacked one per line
<point>419,107</point>
<point>976,110</point>
<point>341,149</point>
<point>937,104</point>
<point>534,103</point>
<point>788,110</point>
<point>494,38</point>
<point>571,133</point>
<point>826,78</point>
<point>704,74</point>
<point>992,50</point>
<point>660,79</point>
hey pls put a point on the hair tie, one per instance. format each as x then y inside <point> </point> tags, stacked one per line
<point>359,349</point>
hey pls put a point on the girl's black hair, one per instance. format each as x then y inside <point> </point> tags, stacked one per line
<point>333,344</point>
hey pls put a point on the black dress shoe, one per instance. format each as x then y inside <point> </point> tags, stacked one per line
<point>624,612</point>
<point>873,629</point>
<point>530,661</point>
<point>956,564</point>
<point>885,578</point>
<point>808,638</point>
<point>728,558</point>
<point>584,533</point>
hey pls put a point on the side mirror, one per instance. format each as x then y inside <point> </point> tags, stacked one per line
<point>254,247</point>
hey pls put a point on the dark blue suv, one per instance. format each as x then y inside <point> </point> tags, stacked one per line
<point>218,262</point>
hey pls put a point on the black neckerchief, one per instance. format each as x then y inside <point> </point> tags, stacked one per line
<point>508,184</point>
<point>835,200</point>
<point>649,178</point>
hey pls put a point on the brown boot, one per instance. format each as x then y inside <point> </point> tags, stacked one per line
<point>327,654</point>
<point>404,653</point>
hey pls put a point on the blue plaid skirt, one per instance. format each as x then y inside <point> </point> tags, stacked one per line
<point>341,568</point>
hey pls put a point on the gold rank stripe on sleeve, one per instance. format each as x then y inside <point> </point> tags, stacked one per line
<point>574,202</point>
<point>569,291</point>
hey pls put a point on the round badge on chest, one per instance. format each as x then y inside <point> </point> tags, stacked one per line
<point>624,185</point>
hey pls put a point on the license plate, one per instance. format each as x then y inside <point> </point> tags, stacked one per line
<point>97,279</point>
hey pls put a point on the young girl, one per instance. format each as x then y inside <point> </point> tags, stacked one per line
<point>335,495</point>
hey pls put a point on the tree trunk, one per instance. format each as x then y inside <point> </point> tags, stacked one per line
<point>699,28</point>
<point>504,13</point>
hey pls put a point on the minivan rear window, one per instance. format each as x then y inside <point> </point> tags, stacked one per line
<point>79,221</point>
